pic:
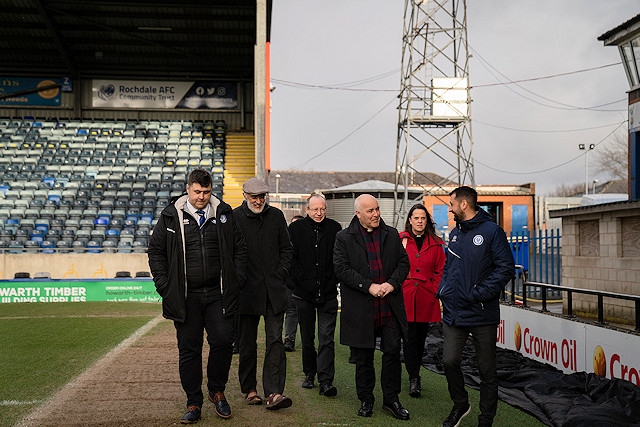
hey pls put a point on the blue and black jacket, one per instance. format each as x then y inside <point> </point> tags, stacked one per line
<point>479,265</point>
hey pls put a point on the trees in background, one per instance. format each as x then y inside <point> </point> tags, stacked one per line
<point>612,158</point>
<point>611,162</point>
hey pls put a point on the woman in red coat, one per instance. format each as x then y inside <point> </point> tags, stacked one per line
<point>426,255</point>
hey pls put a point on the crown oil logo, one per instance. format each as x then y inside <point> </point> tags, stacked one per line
<point>599,362</point>
<point>517,336</point>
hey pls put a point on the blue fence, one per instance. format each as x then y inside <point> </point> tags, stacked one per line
<point>540,256</point>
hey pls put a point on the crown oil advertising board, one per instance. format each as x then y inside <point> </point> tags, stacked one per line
<point>570,346</point>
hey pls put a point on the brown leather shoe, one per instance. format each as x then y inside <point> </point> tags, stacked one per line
<point>223,410</point>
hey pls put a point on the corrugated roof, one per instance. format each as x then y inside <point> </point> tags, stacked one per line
<point>604,207</point>
<point>622,28</point>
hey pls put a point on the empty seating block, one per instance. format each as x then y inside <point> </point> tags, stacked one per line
<point>101,182</point>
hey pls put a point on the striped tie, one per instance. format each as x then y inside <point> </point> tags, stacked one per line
<point>201,213</point>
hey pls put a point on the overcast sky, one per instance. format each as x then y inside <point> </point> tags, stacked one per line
<point>522,133</point>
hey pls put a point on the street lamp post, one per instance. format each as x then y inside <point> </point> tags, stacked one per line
<point>278,176</point>
<point>586,165</point>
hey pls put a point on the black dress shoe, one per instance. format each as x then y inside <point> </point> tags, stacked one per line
<point>191,416</point>
<point>366,410</point>
<point>414,387</point>
<point>396,410</point>
<point>308,382</point>
<point>223,410</point>
<point>289,345</point>
<point>327,389</point>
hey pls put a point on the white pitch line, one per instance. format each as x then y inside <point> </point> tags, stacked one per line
<point>42,411</point>
<point>20,402</point>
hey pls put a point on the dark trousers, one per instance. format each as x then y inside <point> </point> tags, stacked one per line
<point>291,319</point>
<point>204,313</point>
<point>321,362</point>
<point>390,378</point>
<point>484,340</point>
<point>414,347</point>
<point>274,369</point>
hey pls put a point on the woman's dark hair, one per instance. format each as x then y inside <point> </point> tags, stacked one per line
<point>430,229</point>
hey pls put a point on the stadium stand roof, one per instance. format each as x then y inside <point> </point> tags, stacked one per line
<point>125,39</point>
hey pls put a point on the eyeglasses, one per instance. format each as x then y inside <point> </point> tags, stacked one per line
<point>257,196</point>
<point>317,210</point>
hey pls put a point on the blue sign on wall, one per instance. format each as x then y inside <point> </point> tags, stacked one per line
<point>15,89</point>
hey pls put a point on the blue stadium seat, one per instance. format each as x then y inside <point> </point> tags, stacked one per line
<point>112,232</point>
<point>93,247</point>
<point>54,197</point>
<point>37,235</point>
<point>42,224</point>
<point>47,247</point>
<point>101,221</point>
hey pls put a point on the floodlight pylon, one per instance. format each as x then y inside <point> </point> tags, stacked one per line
<point>434,112</point>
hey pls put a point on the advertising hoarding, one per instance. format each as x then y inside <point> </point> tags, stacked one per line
<point>15,88</point>
<point>570,346</point>
<point>164,94</point>
<point>96,290</point>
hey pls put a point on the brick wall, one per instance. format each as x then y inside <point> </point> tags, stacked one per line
<point>601,251</point>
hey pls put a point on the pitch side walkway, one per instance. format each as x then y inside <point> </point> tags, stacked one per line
<point>135,384</point>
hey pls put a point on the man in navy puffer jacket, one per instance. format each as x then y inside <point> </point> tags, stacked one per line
<point>479,265</point>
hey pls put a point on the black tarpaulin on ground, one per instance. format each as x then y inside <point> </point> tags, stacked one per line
<point>555,398</point>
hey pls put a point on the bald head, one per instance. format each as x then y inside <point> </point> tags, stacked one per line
<point>367,211</point>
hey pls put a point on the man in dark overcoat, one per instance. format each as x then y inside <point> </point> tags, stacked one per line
<point>371,264</point>
<point>264,294</point>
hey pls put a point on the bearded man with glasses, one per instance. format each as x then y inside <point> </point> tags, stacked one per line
<point>264,294</point>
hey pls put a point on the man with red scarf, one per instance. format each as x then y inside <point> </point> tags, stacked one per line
<point>371,265</point>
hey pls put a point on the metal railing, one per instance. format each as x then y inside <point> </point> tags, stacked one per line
<point>546,288</point>
<point>77,250</point>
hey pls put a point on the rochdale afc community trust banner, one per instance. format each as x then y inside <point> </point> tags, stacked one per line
<point>115,290</point>
<point>164,94</point>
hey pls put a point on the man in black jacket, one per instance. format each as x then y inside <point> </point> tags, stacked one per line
<point>265,294</point>
<point>315,292</point>
<point>197,255</point>
<point>371,264</point>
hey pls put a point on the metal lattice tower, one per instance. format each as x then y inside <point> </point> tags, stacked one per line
<point>434,125</point>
